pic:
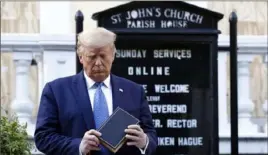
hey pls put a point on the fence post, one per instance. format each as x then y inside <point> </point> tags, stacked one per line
<point>79,21</point>
<point>233,84</point>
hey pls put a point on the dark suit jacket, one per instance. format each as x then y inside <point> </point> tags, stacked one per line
<point>65,114</point>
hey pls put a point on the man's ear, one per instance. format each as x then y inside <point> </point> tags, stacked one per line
<point>114,52</point>
<point>113,56</point>
<point>80,59</point>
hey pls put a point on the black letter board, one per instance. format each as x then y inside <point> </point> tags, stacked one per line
<point>171,49</point>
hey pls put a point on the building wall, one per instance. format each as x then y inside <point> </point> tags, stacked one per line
<point>252,20</point>
<point>88,8</point>
<point>252,16</point>
<point>45,18</point>
<point>53,18</point>
<point>39,17</point>
<point>20,17</point>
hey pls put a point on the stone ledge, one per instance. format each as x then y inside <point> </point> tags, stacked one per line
<point>66,42</point>
<point>249,145</point>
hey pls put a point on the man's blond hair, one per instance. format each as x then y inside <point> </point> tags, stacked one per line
<point>95,38</point>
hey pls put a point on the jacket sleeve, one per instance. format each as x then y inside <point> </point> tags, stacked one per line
<point>147,125</point>
<point>47,135</point>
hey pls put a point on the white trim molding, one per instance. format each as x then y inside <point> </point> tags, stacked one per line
<point>68,40</point>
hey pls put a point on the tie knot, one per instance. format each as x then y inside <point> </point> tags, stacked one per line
<point>98,84</point>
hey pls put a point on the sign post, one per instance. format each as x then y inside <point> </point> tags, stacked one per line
<point>170,48</point>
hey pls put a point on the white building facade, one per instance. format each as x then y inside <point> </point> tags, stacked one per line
<point>39,30</point>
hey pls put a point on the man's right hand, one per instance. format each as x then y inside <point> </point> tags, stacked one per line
<point>90,142</point>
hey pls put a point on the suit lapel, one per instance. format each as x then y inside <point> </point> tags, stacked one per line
<point>118,92</point>
<point>82,99</point>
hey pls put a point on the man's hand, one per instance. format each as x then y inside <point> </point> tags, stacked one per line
<point>136,136</point>
<point>90,142</point>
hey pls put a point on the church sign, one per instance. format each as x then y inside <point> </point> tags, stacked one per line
<point>170,48</point>
<point>175,78</point>
<point>156,17</point>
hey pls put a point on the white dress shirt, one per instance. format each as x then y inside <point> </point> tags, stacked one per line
<point>107,90</point>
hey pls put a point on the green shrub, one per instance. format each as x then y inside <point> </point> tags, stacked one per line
<point>13,138</point>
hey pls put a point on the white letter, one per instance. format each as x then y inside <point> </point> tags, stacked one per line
<point>130,70</point>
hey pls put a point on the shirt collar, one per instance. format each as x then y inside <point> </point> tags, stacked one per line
<point>90,82</point>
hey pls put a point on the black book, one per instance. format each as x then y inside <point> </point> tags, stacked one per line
<point>112,130</point>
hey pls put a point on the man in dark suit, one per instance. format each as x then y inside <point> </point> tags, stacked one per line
<point>72,108</point>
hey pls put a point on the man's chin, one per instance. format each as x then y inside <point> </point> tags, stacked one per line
<point>98,77</point>
<point>99,74</point>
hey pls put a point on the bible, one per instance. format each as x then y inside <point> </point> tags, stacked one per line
<point>112,130</point>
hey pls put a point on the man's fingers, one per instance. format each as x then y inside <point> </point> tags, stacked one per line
<point>135,126</point>
<point>92,147</point>
<point>92,138</point>
<point>133,138</point>
<point>133,132</point>
<point>93,143</point>
<point>93,132</point>
<point>95,148</point>
<point>131,143</point>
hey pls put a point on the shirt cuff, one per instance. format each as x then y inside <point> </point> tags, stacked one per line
<point>147,142</point>
<point>80,152</point>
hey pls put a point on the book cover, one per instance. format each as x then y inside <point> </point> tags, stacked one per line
<point>113,134</point>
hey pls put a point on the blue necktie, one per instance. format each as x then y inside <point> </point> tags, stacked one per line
<point>100,111</point>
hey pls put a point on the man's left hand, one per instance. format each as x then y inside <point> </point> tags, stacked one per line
<point>136,136</point>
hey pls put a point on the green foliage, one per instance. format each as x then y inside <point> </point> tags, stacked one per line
<point>13,138</point>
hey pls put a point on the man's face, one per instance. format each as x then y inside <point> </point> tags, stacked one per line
<point>97,62</point>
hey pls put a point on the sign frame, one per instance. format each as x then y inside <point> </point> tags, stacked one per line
<point>207,33</point>
<point>213,94</point>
